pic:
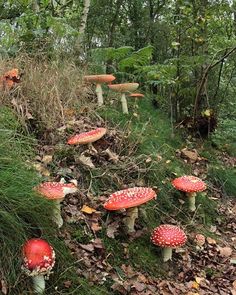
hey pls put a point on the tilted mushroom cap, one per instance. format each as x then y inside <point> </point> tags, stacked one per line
<point>99,78</point>
<point>38,256</point>
<point>130,197</point>
<point>168,235</point>
<point>136,95</point>
<point>55,190</point>
<point>87,137</point>
<point>189,184</point>
<point>126,87</point>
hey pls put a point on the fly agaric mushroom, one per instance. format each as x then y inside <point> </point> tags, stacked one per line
<point>123,88</point>
<point>87,137</point>
<point>190,185</point>
<point>9,78</point>
<point>136,95</point>
<point>99,79</point>
<point>168,236</point>
<point>56,191</point>
<point>129,199</point>
<point>38,261</point>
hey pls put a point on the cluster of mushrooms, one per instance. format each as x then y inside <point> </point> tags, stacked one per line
<point>39,256</point>
<point>121,88</point>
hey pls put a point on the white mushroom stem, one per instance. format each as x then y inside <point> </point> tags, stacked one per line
<point>124,104</point>
<point>191,204</point>
<point>57,213</point>
<point>99,94</point>
<point>129,220</point>
<point>167,254</point>
<point>38,284</point>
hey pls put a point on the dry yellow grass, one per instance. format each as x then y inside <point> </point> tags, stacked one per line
<point>48,90</point>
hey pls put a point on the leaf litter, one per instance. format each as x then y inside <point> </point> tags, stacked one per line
<point>202,268</point>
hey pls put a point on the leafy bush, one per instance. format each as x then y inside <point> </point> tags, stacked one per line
<point>225,136</point>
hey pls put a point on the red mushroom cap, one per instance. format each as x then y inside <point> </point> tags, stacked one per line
<point>168,235</point>
<point>9,78</point>
<point>136,95</point>
<point>55,190</point>
<point>125,87</point>
<point>87,137</point>
<point>189,184</point>
<point>130,197</point>
<point>38,256</point>
<point>99,78</point>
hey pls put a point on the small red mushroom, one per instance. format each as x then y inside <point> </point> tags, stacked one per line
<point>87,137</point>
<point>136,95</point>
<point>168,236</point>
<point>190,185</point>
<point>129,199</point>
<point>38,261</point>
<point>56,191</point>
<point>99,79</point>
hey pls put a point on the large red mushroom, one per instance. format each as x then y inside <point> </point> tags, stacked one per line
<point>38,261</point>
<point>168,236</point>
<point>56,191</point>
<point>191,185</point>
<point>87,137</point>
<point>129,199</point>
<point>99,79</point>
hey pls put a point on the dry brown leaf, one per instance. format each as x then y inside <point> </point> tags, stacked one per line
<point>211,241</point>
<point>112,156</point>
<point>112,229</point>
<point>47,159</point>
<point>41,169</point>
<point>225,251</point>
<point>87,209</point>
<point>190,155</point>
<point>86,161</point>
<point>3,287</point>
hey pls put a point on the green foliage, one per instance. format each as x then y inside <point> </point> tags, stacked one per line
<point>225,136</point>
<point>225,177</point>
<point>23,214</point>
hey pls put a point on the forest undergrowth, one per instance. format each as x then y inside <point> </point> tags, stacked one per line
<point>140,149</point>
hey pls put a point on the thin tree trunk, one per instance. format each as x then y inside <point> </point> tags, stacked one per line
<point>83,22</point>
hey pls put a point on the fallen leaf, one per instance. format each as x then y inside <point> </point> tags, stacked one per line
<point>211,241</point>
<point>112,229</point>
<point>86,161</point>
<point>112,156</point>
<point>190,155</point>
<point>3,287</point>
<point>47,159</point>
<point>225,251</point>
<point>87,209</point>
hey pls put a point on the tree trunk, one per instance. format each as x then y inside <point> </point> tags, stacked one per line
<point>83,22</point>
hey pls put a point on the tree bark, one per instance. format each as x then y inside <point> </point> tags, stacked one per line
<point>83,23</point>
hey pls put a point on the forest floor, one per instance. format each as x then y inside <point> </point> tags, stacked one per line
<point>140,149</point>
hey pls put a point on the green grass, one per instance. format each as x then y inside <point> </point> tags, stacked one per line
<point>24,214</point>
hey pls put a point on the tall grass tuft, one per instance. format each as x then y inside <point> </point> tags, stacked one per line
<point>46,90</point>
<point>23,214</point>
